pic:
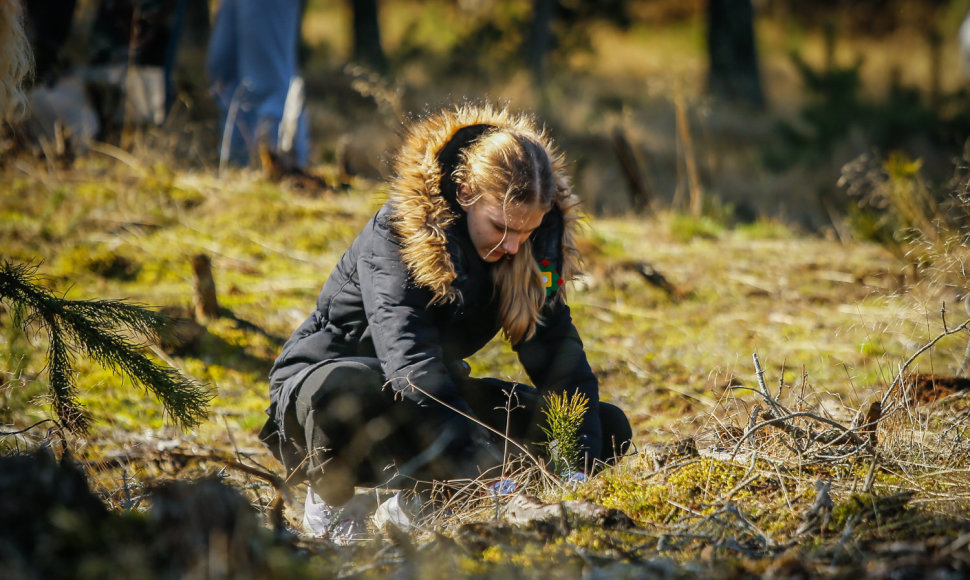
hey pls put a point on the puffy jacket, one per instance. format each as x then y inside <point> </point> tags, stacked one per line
<point>412,291</point>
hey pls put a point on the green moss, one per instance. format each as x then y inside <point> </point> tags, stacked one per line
<point>685,228</point>
<point>160,183</point>
<point>606,243</point>
<point>643,502</point>
<point>546,559</point>
<point>706,479</point>
<point>763,229</point>
<point>867,506</point>
<point>99,259</point>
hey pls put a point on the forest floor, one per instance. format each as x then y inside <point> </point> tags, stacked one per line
<point>779,491</point>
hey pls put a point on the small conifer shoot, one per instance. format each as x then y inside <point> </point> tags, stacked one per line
<point>564,417</point>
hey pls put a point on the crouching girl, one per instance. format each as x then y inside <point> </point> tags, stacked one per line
<point>476,238</point>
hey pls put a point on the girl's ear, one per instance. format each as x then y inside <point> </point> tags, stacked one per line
<point>464,195</point>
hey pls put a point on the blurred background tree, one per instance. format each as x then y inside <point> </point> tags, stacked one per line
<point>733,68</point>
<point>559,25</point>
<point>368,49</point>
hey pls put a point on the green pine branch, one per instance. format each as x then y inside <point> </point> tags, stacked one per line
<point>106,331</point>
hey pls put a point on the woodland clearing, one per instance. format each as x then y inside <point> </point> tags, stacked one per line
<point>796,391</point>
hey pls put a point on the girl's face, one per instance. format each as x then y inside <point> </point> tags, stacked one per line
<point>498,231</point>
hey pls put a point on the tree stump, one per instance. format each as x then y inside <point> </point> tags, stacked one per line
<point>206,303</point>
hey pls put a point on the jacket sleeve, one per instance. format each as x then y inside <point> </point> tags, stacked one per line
<point>555,361</point>
<point>404,332</point>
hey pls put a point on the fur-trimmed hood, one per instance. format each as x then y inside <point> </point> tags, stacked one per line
<point>423,196</point>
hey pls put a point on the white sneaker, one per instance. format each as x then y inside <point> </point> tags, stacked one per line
<point>342,525</point>
<point>396,511</point>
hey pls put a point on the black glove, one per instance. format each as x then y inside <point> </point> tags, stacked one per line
<point>469,452</point>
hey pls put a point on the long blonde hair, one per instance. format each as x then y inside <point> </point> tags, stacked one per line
<point>516,168</point>
<point>15,59</point>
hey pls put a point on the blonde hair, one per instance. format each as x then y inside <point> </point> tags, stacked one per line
<point>496,162</point>
<point>516,168</point>
<point>15,59</point>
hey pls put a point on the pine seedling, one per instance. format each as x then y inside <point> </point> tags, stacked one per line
<point>564,417</point>
<point>102,330</point>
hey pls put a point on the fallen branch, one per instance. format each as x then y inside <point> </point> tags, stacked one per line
<point>760,373</point>
<point>802,439</point>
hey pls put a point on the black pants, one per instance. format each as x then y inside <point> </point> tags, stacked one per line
<point>357,433</point>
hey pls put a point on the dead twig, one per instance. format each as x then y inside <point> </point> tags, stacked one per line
<point>733,510</point>
<point>24,430</point>
<point>898,380</point>
<point>781,422</point>
<point>820,512</point>
<point>763,388</point>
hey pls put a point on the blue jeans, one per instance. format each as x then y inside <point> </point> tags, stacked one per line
<point>251,60</point>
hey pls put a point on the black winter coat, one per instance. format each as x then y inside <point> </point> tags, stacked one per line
<point>373,305</point>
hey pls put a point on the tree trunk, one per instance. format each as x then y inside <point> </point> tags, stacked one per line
<point>189,42</point>
<point>733,74</point>
<point>367,35</point>
<point>539,39</point>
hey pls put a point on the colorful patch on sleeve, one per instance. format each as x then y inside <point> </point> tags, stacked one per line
<point>550,277</point>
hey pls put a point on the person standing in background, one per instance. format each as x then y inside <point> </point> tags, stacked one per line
<point>252,67</point>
